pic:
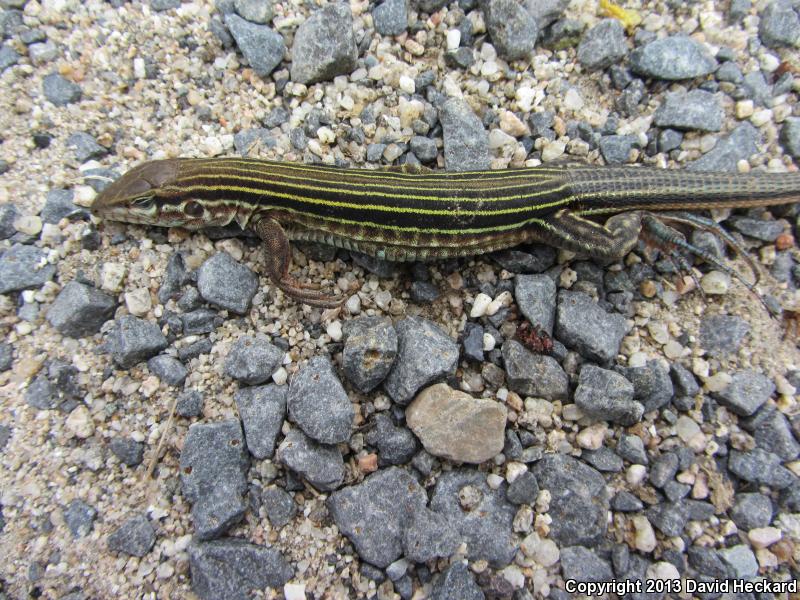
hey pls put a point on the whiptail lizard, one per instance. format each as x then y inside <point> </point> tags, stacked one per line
<point>402,214</point>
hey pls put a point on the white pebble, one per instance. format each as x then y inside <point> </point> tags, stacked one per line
<point>645,539</point>
<point>572,100</point>
<point>687,428</point>
<point>28,224</point>
<point>139,71</point>
<point>494,481</point>
<point>514,576</point>
<point>280,376</point>
<point>353,304</point>
<point>718,382</point>
<point>334,330</point>
<point>138,302</point>
<point>382,299</point>
<point>673,349</point>
<point>498,139</point>
<point>79,422</point>
<point>715,283</point>
<point>111,276</point>
<point>488,342</point>
<point>294,591</point>
<point>553,150</point>
<point>453,39</point>
<point>761,117</point>
<point>407,84</point>
<point>637,359</point>
<point>769,62</point>
<point>762,537</point>
<point>326,135</point>
<point>480,305</point>
<point>744,109</point>
<point>635,474</point>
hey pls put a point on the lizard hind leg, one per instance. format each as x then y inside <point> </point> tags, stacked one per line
<point>278,256</point>
<point>671,241</point>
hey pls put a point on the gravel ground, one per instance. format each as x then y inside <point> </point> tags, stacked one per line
<point>418,442</point>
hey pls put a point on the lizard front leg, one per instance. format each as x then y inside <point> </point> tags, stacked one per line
<point>278,255</point>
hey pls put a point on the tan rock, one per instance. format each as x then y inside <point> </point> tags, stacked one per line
<point>454,425</point>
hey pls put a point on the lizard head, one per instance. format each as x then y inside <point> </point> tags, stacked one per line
<point>150,194</point>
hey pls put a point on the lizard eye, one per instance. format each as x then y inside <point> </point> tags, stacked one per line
<point>145,203</point>
<point>193,209</point>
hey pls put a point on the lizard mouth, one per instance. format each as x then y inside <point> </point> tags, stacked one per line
<point>127,198</point>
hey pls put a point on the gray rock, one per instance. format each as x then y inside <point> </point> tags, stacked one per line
<point>322,466</point>
<point>253,141</point>
<point>8,57</point>
<point>375,513</point>
<point>652,386</point>
<point>513,30</point>
<point>730,72</point>
<point>85,146</point>
<point>279,506</point>
<point>673,58</point>
<point>187,353</point>
<point>722,335</point>
<point>696,109</point>
<point>607,396</point>
<point>683,382</point>
<point>466,142</point>
<point>204,320</point>
<point>583,565</point>
<point>318,404</point>
<point>423,292</point>
<point>626,502</point>
<point>779,24</point>
<point>482,515</point>
<point>760,466</point>
<point>751,510</point>
<point>134,340</point>
<point>175,277</point>
<point>324,45</point>
<point>603,459</point>
<point>127,450</point>
<point>6,356</point>
<point>214,465</point>
<point>24,267</point>
<point>741,560</point>
<point>370,349</point>
<point>546,11</point>
<point>536,258</point>
<point>80,310</point>
<point>60,91</point>
<point>669,517</point>
<point>664,469</point>
<point>740,144</point>
<point>8,214</point>
<point>253,359</point>
<point>457,583</point>
<point>536,297</point>
<point>255,11</point>
<point>616,149</point>
<point>79,517</point>
<point>429,535</point>
<point>631,448</point>
<point>424,148</point>
<point>425,354</point>
<point>747,392</point>
<point>586,328</point>
<point>396,445</point>
<point>232,568</point>
<point>523,490</point>
<point>168,369</point>
<point>190,403</point>
<point>532,374</point>
<point>790,136</point>
<point>262,47</point>
<point>262,410</point>
<point>603,45</point>
<point>391,17</point>
<point>767,231</point>
<point>225,283</point>
<point>162,5</point>
<point>579,499</point>
<point>772,432</point>
<point>135,537</point>
<point>59,205</point>
<point>472,342</point>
